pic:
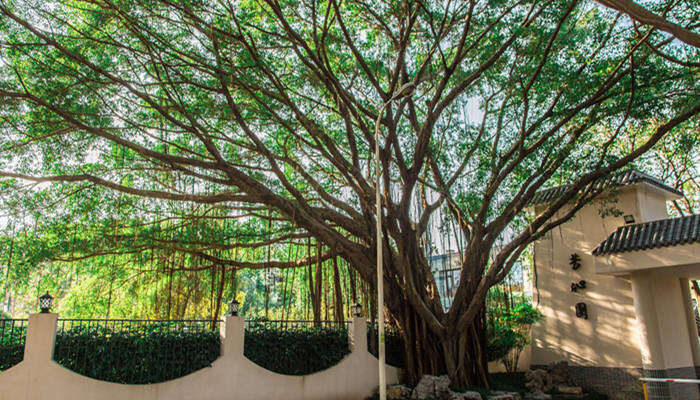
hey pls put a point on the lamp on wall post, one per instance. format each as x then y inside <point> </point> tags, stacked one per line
<point>356,310</point>
<point>403,91</point>
<point>45,303</point>
<point>233,308</point>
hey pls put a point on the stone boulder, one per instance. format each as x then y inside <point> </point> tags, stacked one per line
<point>500,395</point>
<point>556,376</point>
<point>572,390</point>
<point>538,379</point>
<point>398,392</point>
<point>432,387</point>
<point>559,374</point>
<point>465,396</point>
<point>537,394</point>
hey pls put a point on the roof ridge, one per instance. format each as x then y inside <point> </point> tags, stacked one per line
<point>651,234</point>
<point>621,177</point>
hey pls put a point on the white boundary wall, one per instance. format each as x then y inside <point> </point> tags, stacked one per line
<point>231,377</point>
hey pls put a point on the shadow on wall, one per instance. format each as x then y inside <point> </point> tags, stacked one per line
<point>608,337</point>
<point>231,376</point>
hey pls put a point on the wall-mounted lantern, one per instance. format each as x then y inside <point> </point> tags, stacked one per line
<point>356,310</point>
<point>575,261</point>
<point>45,303</point>
<point>233,308</point>
<point>581,310</point>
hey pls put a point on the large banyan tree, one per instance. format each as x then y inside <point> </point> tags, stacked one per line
<point>272,106</point>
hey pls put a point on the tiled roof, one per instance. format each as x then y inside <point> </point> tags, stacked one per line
<point>621,178</point>
<point>649,235</point>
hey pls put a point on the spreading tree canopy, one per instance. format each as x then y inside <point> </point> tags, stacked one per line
<point>270,107</point>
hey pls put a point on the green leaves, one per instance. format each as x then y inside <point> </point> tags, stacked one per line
<point>295,351</point>
<point>150,354</point>
<point>12,338</point>
<point>509,329</point>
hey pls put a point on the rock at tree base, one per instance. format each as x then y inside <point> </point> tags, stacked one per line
<point>432,387</point>
<point>559,374</point>
<point>570,390</point>
<point>538,379</point>
<point>465,396</point>
<point>555,377</point>
<point>397,392</point>
<point>499,395</point>
<point>537,394</point>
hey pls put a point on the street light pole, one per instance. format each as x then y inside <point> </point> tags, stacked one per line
<point>404,90</point>
<point>380,264</point>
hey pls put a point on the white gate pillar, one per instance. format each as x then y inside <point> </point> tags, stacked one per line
<point>41,337</point>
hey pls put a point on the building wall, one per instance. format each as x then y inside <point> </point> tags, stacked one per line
<point>603,351</point>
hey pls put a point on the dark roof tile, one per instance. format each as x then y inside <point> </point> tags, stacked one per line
<point>648,235</point>
<point>615,179</point>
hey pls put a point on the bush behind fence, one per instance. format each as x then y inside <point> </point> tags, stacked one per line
<point>295,347</point>
<point>13,334</point>
<point>136,352</point>
<point>143,351</point>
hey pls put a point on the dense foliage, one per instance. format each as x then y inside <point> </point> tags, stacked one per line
<point>12,340</point>
<point>137,356</point>
<point>509,333</point>
<point>394,346</point>
<point>296,351</point>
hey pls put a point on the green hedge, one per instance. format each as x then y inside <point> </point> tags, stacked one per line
<point>145,355</point>
<point>157,353</point>
<point>393,346</point>
<point>11,346</point>
<point>295,351</point>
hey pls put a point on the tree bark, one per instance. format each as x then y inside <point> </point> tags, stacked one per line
<point>318,289</point>
<point>646,17</point>
<point>338,291</point>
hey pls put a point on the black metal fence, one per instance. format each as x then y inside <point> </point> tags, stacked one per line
<point>127,325</point>
<point>150,351</point>
<point>294,324</point>
<point>136,351</point>
<point>13,333</point>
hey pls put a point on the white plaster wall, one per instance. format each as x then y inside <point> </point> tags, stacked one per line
<point>661,306</point>
<point>608,338</point>
<point>232,376</point>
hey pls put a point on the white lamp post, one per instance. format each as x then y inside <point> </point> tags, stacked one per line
<point>404,90</point>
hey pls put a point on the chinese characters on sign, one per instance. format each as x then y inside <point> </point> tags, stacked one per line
<point>575,261</point>
<point>575,286</point>
<point>581,309</point>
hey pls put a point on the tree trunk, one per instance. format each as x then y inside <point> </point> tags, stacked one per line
<point>219,294</point>
<point>338,305</point>
<point>318,288</point>
<point>433,346</point>
<point>461,355</point>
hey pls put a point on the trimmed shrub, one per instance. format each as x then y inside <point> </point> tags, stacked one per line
<point>149,354</point>
<point>393,345</point>
<point>11,345</point>
<point>295,351</point>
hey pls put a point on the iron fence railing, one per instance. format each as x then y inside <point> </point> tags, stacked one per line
<point>13,333</point>
<point>136,351</point>
<point>294,324</point>
<point>128,325</point>
<point>141,351</point>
